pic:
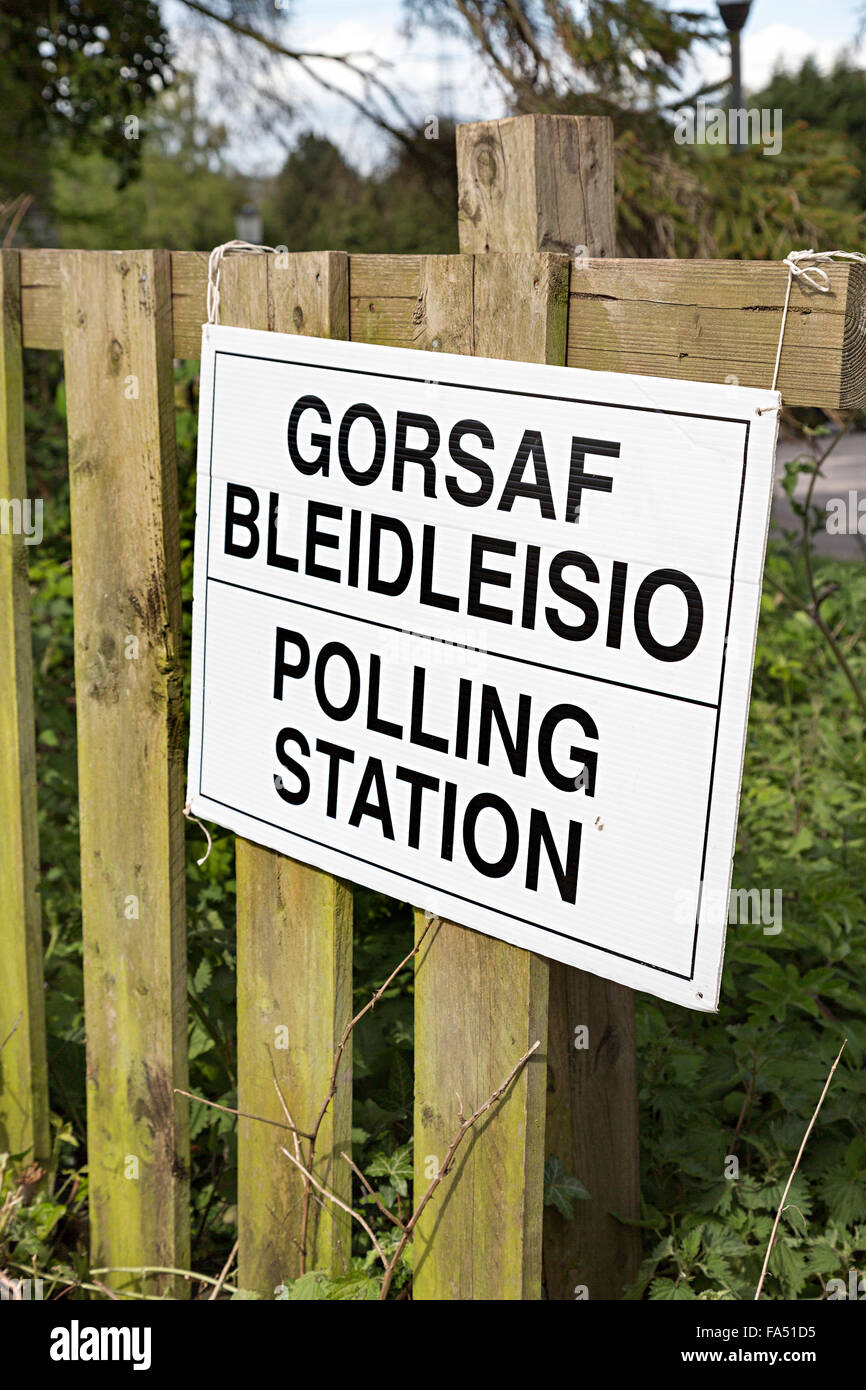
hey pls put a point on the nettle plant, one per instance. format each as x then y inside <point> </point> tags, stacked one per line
<point>743,1085</point>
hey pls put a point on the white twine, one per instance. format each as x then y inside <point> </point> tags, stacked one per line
<point>214,268</point>
<point>188,813</point>
<point>816,278</point>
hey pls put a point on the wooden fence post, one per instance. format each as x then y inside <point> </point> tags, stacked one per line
<point>129,697</point>
<point>294,922</point>
<point>480,1003</point>
<point>23,1074</point>
<point>534,183</point>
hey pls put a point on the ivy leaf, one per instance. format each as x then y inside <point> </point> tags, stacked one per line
<point>561,1189</point>
<point>396,1167</point>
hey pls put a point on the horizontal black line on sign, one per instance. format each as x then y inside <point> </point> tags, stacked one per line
<point>473,386</point>
<point>401,873</point>
<point>503,656</point>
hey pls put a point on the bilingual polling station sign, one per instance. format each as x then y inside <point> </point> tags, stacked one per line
<point>479,634</point>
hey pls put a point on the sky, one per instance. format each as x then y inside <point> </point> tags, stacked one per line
<point>439,74</point>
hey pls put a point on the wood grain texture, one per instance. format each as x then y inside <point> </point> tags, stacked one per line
<point>294,973</point>
<point>691,320</point>
<point>480,1003</point>
<point>523,299</point>
<point>188,300</point>
<point>41,298</point>
<point>442,320</point>
<point>521,307</point>
<point>294,922</point>
<point>23,1077</point>
<point>536,183</point>
<point>129,698</point>
<point>720,320</point>
<point>592,1127</point>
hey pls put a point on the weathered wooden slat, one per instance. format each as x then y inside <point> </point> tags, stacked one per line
<point>385,277</point>
<point>188,300</point>
<point>294,922</point>
<point>684,319</point>
<point>41,308</point>
<point>294,974</point>
<point>480,1003</point>
<point>129,696</point>
<point>536,183</point>
<point>390,322</point>
<point>23,1076</point>
<point>717,320</point>
<point>442,320</point>
<point>592,1128</point>
<point>553,181</point>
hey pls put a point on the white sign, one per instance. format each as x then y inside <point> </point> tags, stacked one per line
<point>479,634</point>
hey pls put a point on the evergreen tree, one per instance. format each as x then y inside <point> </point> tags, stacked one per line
<point>835,101</point>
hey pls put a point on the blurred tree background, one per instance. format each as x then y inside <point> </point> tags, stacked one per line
<point>113,145</point>
<point>108,142</point>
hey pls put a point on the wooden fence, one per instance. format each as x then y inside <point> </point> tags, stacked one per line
<point>535,281</point>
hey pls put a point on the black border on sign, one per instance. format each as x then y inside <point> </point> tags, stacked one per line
<point>493,390</point>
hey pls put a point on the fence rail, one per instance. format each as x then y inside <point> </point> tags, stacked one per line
<point>684,319</point>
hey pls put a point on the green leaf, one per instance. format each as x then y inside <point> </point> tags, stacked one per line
<point>845,1195</point>
<point>396,1167</point>
<point>561,1190</point>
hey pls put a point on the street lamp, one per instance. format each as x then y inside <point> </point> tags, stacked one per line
<point>248,224</point>
<point>734,16</point>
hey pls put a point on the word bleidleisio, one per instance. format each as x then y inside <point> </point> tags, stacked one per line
<point>489,577</point>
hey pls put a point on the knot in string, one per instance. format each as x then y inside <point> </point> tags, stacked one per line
<point>806,265</point>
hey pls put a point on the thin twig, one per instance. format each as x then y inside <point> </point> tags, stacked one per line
<point>12,1029</point>
<point>332,1197</point>
<point>52,1278</point>
<point>160,1269</point>
<point>223,1273</point>
<point>408,1227</point>
<point>815,611</point>
<point>227,1109</point>
<point>376,1198</point>
<point>282,1099</point>
<point>24,204</point>
<point>305,1200</point>
<point>332,1087</point>
<point>465,1126</point>
<point>371,1004</point>
<point>109,1293</point>
<point>305,59</point>
<point>793,1171</point>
